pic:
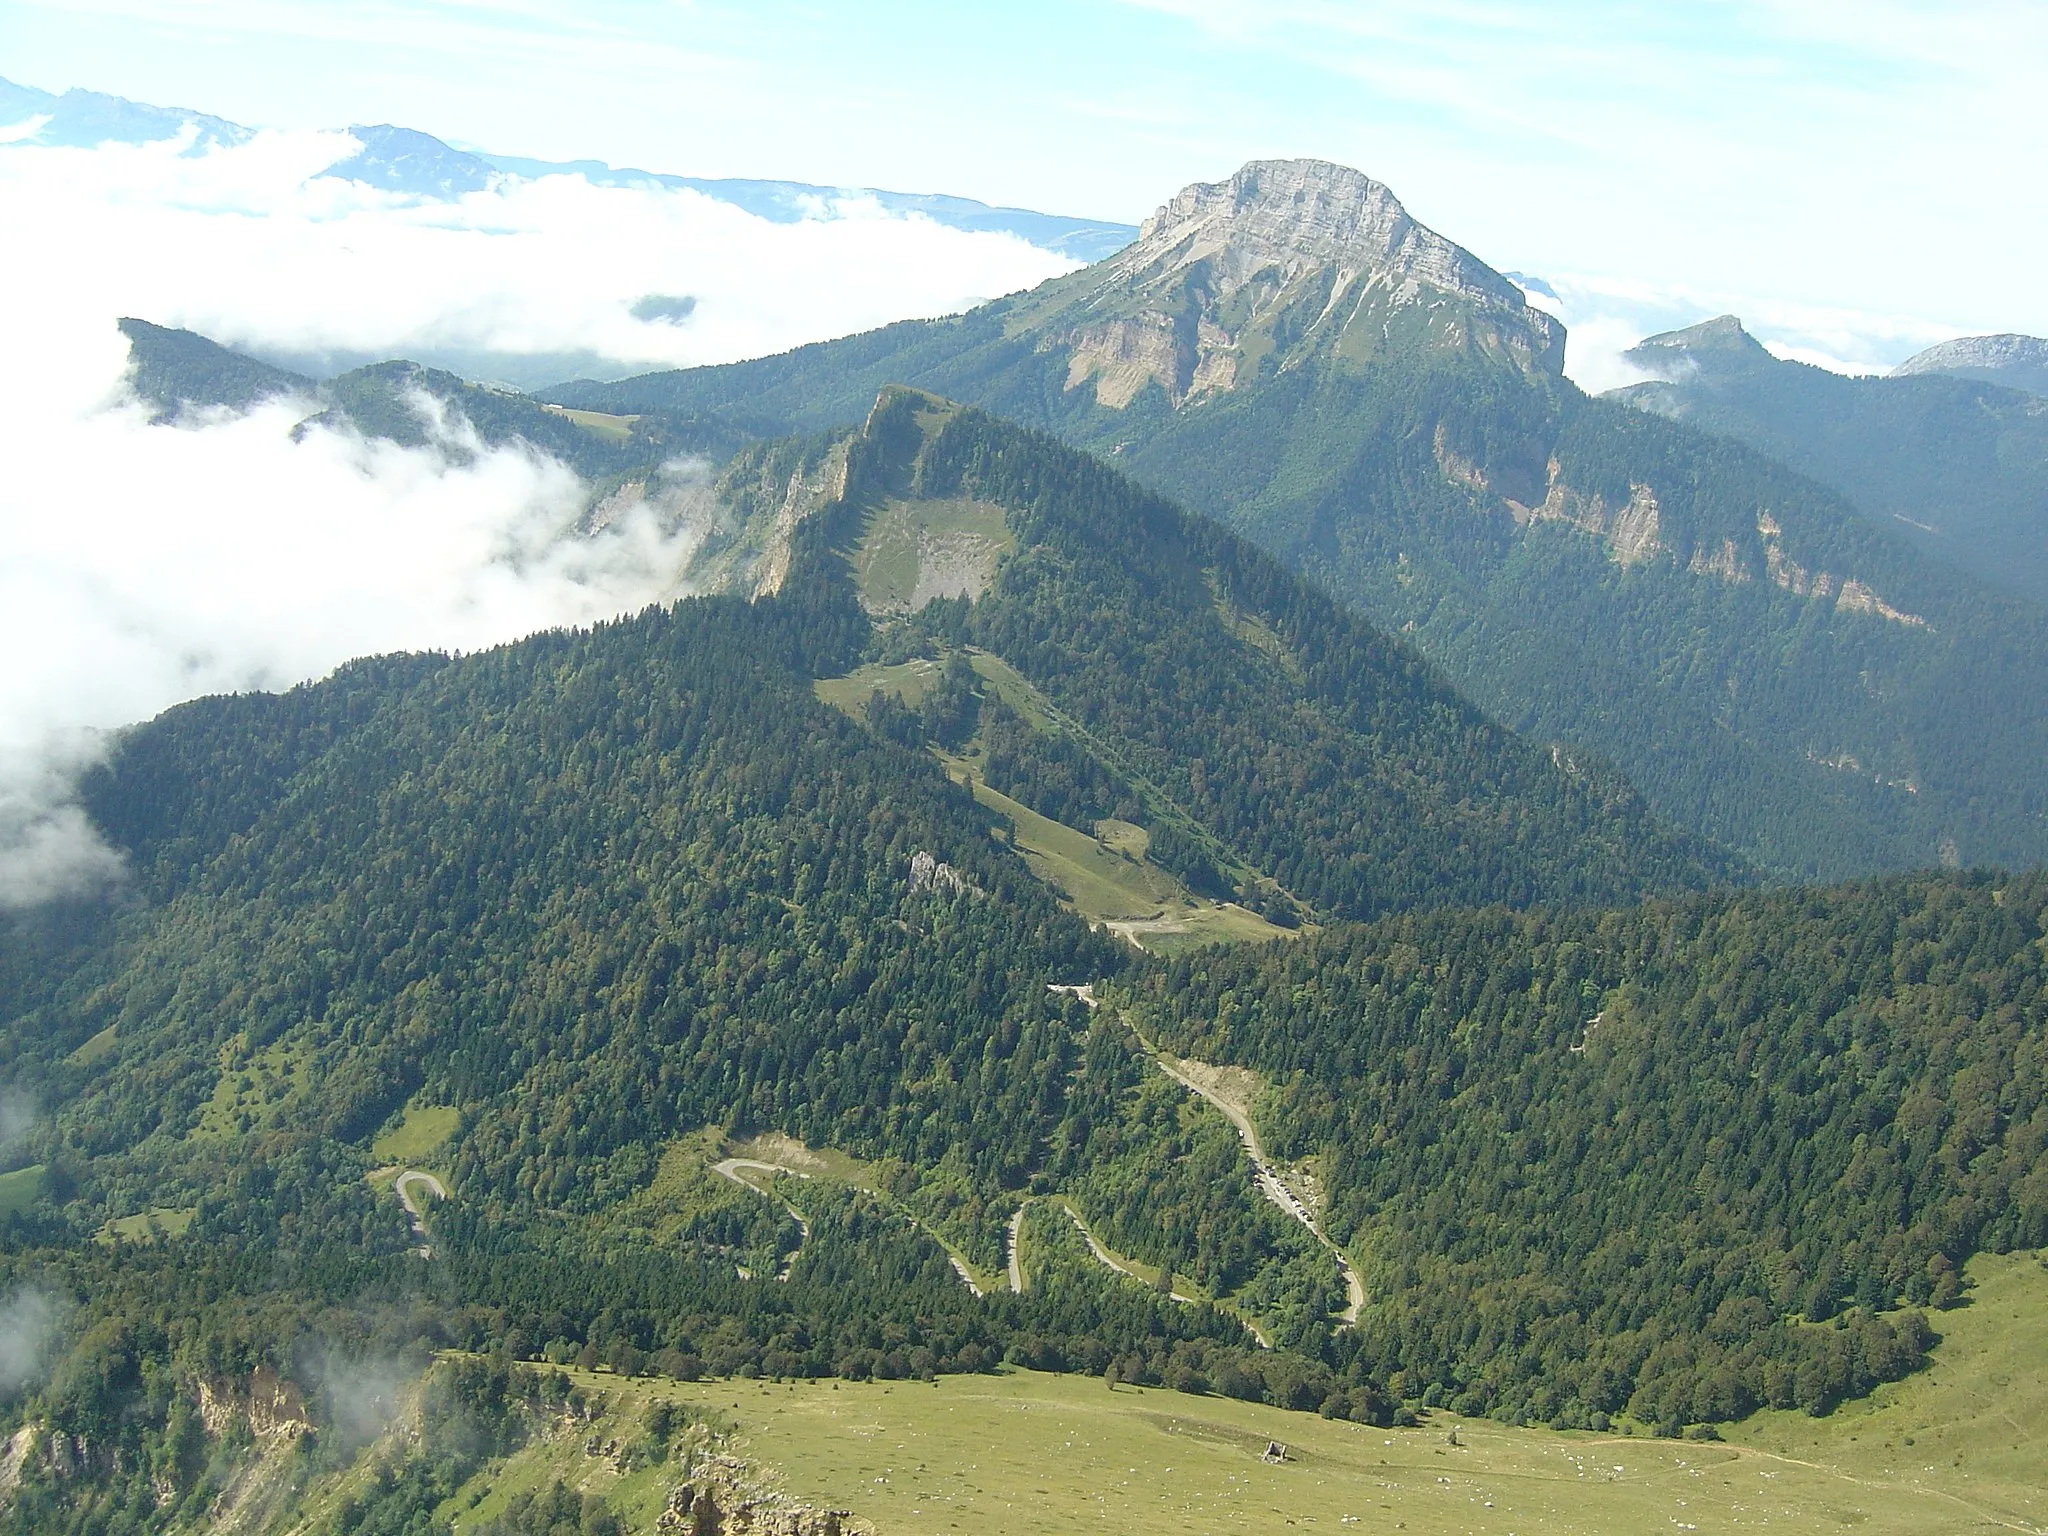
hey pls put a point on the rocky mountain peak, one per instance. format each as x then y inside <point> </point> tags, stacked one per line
<point>1719,345</point>
<point>1286,261</point>
<point>2017,362</point>
<point>1299,213</point>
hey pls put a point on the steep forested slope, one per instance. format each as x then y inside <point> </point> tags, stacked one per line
<point>602,905</point>
<point>1311,748</point>
<point>592,893</point>
<point>1957,465</point>
<point>173,369</point>
<point>1606,1161</point>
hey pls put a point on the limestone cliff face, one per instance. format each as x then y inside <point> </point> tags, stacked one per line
<point>1287,259</point>
<point>1632,531</point>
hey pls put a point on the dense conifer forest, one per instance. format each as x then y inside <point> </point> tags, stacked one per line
<point>608,901</point>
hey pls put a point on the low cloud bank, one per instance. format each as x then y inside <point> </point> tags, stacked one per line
<point>251,246</point>
<point>143,565</point>
<point>27,1320</point>
<point>1605,316</point>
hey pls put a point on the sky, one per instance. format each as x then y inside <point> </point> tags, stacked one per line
<point>1858,175</point>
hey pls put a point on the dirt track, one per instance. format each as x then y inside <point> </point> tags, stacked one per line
<point>415,1217</point>
<point>1016,1265</point>
<point>1264,1174</point>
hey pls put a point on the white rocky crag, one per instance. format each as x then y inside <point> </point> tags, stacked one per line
<point>928,874</point>
<point>1287,257</point>
<point>1292,214</point>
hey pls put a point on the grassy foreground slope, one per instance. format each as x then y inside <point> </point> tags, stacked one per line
<point>1956,1449</point>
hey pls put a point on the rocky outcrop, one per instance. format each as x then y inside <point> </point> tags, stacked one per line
<point>1849,594</point>
<point>721,1498</point>
<point>1123,356</point>
<point>749,516</point>
<point>14,1460</point>
<point>1632,530</point>
<point>1285,259</point>
<point>928,874</point>
<point>270,1405</point>
<point>1725,562</point>
<point>1296,214</point>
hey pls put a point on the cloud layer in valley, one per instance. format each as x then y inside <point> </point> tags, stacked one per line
<point>147,564</point>
<point>1605,316</point>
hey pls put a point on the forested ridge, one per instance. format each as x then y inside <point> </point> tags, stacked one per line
<point>1958,465</point>
<point>1318,751</point>
<point>177,371</point>
<point>612,900</point>
<point>1636,1158</point>
<point>1743,701</point>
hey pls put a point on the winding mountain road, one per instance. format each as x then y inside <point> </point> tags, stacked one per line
<point>1264,1174</point>
<point>1268,1179</point>
<point>735,1168</point>
<point>729,1168</point>
<point>1015,1265</point>
<point>414,1216</point>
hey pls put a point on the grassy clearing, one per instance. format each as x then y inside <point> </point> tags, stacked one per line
<point>914,551</point>
<point>616,428</point>
<point>150,1226</point>
<point>1202,923</point>
<point>20,1189</point>
<point>1100,885</point>
<point>1106,878</point>
<point>1023,1453</point>
<point>1974,1425</point>
<point>1030,1453</point>
<point>252,1088</point>
<point>1106,884</point>
<point>908,681</point>
<point>93,1049</point>
<point>418,1135</point>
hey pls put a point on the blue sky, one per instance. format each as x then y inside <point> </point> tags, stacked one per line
<point>1877,158</point>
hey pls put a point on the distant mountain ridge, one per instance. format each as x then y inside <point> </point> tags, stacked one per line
<point>1286,351</point>
<point>177,372</point>
<point>81,119</point>
<point>2017,362</point>
<point>418,164</point>
<point>1948,450</point>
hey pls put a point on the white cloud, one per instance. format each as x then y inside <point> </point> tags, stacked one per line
<point>250,246</point>
<point>27,1319</point>
<point>142,565</point>
<point>1605,316</point>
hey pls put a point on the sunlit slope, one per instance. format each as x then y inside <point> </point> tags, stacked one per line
<point>1141,664</point>
<point>1027,1452</point>
<point>1972,1429</point>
